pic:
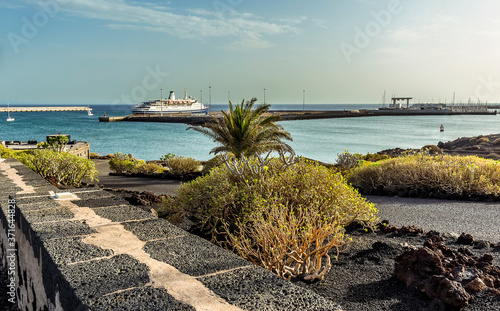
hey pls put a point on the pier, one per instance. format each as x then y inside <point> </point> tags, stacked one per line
<point>39,109</point>
<point>196,119</point>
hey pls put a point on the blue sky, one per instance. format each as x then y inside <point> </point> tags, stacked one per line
<point>123,51</point>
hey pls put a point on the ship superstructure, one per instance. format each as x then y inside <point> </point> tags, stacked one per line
<point>170,105</point>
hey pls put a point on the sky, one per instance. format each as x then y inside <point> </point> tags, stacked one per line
<point>321,51</point>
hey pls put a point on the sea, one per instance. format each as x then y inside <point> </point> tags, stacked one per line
<point>320,139</point>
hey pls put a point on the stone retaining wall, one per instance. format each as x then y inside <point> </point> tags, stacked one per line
<point>94,251</point>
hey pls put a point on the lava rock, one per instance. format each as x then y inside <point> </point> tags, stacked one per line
<point>465,239</point>
<point>445,274</point>
<point>475,285</point>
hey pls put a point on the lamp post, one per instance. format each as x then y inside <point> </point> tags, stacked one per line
<point>228,96</point>
<point>303,100</point>
<point>161,101</point>
<point>264,96</point>
<point>201,96</point>
<point>209,98</point>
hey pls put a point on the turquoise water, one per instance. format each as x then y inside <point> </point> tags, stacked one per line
<point>317,139</point>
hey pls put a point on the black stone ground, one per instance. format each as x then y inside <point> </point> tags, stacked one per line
<point>363,276</point>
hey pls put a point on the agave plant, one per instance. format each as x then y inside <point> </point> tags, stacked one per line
<point>244,131</point>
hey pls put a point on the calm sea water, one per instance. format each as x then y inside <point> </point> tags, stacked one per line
<point>317,139</point>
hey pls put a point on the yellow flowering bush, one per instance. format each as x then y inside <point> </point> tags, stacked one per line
<point>461,176</point>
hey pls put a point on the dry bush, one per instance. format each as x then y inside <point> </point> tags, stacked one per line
<point>452,175</point>
<point>127,164</point>
<point>349,160</point>
<point>496,142</point>
<point>182,165</point>
<point>283,217</point>
<point>481,140</point>
<point>147,168</point>
<point>431,149</point>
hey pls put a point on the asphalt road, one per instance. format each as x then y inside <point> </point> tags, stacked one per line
<point>154,185</point>
<point>481,219</point>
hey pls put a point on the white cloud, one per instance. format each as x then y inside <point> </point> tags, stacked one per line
<point>196,24</point>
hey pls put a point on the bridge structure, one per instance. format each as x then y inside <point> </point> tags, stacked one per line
<point>39,109</point>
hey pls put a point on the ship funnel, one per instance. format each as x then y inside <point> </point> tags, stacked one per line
<point>171,96</point>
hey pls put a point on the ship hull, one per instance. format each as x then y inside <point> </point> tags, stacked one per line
<point>168,111</point>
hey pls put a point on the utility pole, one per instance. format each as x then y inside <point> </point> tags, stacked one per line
<point>161,101</point>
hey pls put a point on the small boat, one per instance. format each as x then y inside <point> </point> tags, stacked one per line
<point>441,128</point>
<point>9,118</point>
<point>89,112</point>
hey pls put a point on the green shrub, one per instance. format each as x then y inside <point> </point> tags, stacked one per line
<point>121,166</point>
<point>167,157</point>
<point>213,162</point>
<point>374,157</point>
<point>7,153</point>
<point>59,167</point>
<point>182,165</point>
<point>56,143</point>
<point>453,175</point>
<point>283,217</point>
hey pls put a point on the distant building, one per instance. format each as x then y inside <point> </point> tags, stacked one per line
<point>77,148</point>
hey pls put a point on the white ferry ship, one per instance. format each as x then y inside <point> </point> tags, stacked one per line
<point>170,105</point>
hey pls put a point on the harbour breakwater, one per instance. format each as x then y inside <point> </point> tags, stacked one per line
<point>43,109</point>
<point>291,115</point>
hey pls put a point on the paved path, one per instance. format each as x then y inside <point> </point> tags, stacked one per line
<point>481,219</point>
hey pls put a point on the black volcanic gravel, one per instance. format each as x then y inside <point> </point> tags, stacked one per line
<point>363,276</point>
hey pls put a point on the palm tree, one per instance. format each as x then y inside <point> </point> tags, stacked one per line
<point>244,131</point>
